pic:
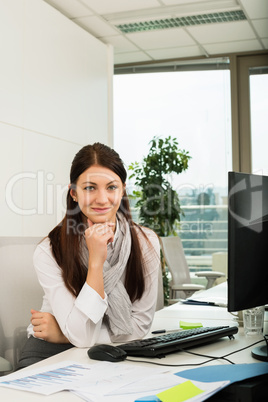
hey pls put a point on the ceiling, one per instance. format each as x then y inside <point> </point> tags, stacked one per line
<point>192,28</point>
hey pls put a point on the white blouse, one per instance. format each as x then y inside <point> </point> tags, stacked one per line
<point>81,318</point>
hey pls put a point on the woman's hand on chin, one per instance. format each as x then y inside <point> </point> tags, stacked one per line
<point>97,236</point>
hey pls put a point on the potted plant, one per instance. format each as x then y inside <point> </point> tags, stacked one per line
<point>158,203</point>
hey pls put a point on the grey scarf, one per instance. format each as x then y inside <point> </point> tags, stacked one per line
<point>119,304</point>
<point>118,314</point>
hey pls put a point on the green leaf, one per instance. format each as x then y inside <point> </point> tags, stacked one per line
<point>158,203</point>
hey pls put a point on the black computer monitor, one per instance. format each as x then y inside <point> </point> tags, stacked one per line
<point>247,241</point>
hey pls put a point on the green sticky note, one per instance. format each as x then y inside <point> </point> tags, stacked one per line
<point>190,325</point>
<point>180,392</point>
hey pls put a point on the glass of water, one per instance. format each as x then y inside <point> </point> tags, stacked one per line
<point>253,321</point>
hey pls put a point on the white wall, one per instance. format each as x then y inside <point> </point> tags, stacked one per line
<point>55,97</point>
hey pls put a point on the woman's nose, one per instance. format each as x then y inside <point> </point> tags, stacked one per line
<point>101,197</point>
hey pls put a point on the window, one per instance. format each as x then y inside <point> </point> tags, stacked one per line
<point>193,106</point>
<point>258,113</point>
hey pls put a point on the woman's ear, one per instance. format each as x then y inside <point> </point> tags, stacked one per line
<point>73,194</point>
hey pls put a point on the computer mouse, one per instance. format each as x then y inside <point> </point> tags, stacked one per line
<point>106,353</point>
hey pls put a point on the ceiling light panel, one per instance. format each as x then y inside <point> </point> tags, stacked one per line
<point>178,22</point>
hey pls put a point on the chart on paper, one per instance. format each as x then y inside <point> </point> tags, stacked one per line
<point>99,378</point>
<point>49,381</point>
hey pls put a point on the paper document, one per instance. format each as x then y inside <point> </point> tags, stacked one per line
<point>216,295</point>
<point>108,382</point>
<point>98,378</point>
<point>48,380</point>
<point>160,388</point>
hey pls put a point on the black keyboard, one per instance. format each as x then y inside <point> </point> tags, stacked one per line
<point>161,345</point>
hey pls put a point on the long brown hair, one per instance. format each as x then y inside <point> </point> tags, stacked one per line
<point>65,238</point>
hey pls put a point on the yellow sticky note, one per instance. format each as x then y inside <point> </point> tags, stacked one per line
<point>180,392</point>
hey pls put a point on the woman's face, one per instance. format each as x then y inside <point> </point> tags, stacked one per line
<point>98,192</point>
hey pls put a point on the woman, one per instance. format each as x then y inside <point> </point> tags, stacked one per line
<point>99,270</point>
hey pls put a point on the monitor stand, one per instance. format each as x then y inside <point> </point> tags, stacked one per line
<point>260,353</point>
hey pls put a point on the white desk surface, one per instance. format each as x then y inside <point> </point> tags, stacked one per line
<point>168,318</point>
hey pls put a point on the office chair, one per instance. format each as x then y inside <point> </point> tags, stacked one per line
<point>5,366</point>
<point>19,292</point>
<point>180,284</point>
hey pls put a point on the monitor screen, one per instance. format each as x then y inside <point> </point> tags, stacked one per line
<point>247,241</point>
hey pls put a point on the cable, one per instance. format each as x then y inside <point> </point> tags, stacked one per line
<point>229,354</point>
<point>246,347</point>
<point>212,357</point>
<point>170,365</point>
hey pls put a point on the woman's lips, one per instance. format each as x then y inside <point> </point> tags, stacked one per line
<point>101,210</point>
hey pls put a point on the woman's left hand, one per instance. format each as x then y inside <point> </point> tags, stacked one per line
<point>45,326</point>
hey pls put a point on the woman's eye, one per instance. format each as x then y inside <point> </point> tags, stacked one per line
<point>112,187</point>
<point>89,188</point>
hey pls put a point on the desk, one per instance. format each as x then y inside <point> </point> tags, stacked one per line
<point>167,318</point>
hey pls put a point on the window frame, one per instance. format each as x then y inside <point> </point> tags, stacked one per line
<point>240,107</point>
